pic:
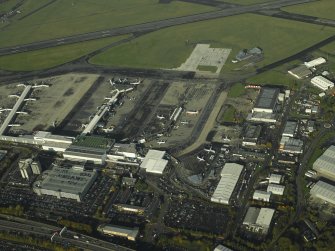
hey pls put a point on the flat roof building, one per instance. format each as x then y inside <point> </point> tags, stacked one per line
<point>120,231</point>
<point>154,162</point>
<point>251,135</point>
<point>275,178</point>
<point>291,145</point>
<point>276,189</point>
<point>290,129</point>
<point>300,72</point>
<point>230,175</point>
<point>262,117</point>
<point>222,248</point>
<point>324,191</point>
<point>65,182</point>
<point>315,62</point>
<point>325,164</point>
<point>258,219</point>
<point>266,100</point>
<point>322,83</point>
<point>261,195</point>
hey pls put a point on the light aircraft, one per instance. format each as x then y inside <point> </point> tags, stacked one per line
<point>161,142</point>
<point>200,158</point>
<point>160,117</point>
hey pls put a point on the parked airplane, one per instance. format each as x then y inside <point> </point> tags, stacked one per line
<point>209,150</point>
<point>160,117</point>
<point>200,158</point>
<point>135,83</point>
<point>161,142</point>
<point>112,82</point>
<point>160,134</point>
<point>192,112</point>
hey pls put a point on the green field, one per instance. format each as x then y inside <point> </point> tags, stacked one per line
<point>229,115</point>
<point>246,2</point>
<point>8,5</point>
<point>236,90</point>
<point>168,48</point>
<point>50,57</point>
<point>322,8</point>
<point>64,17</point>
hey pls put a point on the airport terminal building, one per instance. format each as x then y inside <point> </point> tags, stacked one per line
<point>65,182</point>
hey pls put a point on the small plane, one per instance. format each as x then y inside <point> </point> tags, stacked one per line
<point>200,158</point>
<point>160,117</point>
<point>135,83</point>
<point>161,142</point>
<point>209,150</point>
<point>160,134</point>
<point>192,112</point>
<point>112,82</point>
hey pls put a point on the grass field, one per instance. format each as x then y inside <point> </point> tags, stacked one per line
<point>63,17</point>
<point>229,115</point>
<point>322,8</point>
<point>246,2</point>
<point>8,5</point>
<point>168,48</point>
<point>50,57</point>
<point>236,90</point>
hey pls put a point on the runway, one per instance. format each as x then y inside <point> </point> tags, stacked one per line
<point>148,27</point>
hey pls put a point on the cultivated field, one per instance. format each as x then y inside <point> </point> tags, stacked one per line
<point>50,57</point>
<point>53,104</point>
<point>63,18</point>
<point>169,48</point>
<point>322,8</point>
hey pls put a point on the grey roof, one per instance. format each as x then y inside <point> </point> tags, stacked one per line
<point>290,128</point>
<point>267,98</point>
<point>325,164</point>
<point>132,232</point>
<point>324,191</point>
<point>265,217</point>
<point>251,216</point>
<point>154,162</point>
<point>300,72</point>
<point>70,180</point>
<point>252,132</point>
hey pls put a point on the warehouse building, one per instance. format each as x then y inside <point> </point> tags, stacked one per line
<point>258,219</point>
<point>300,72</point>
<point>322,83</point>
<point>261,195</point>
<point>276,189</point>
<point>222,248</point>
<point>154,162</point>
<point>65,182</point>
<point>315,62</point>
<point>275,178</point>
<point>262,117</point>
<point>325,164</point>
<point>120,231</point>
<point>291,145</point>
<point>50,142</point>
<point>251,135</point>
<point>290,129</point>
<point>323,191</point>
<point>230,176</point>
<point>266,100</point>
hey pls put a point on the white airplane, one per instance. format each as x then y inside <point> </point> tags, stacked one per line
<point>192,112</point>
<point>210,150</point>
<point>160,134</point>
<point>160,117</point>
<point>14,125</point>
<point>19,85</point>
<point>112,83</point>
<point>39,86</point>
<point>30,99</point>
<point>161,142</point>
<point>200,158</point>
<point>135,83</point>
<point>13,96</point>
<point>5,109</point>
<point>21,112</point>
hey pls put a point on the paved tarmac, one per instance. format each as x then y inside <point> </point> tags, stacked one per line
<point>150,26</point>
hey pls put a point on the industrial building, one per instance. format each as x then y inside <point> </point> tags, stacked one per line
<point>315,62</point>
<point>50,142</point>
<point>324,191</point>
<point>88,149</point>
<point>261,195</point>
<point>291,145</point>
<point>262,117</point>
<point>258,219</point>
<point>276,189</point>
<point>251,135</point>
<point>266,100</point>
<point>275,178</point>
<point>120,231</point>
<point>325,164</point>
<point>65,182</point>
<point>123,154</point>
<point>154,162</point>
<point>129,208</point>
<point>322,83</point>
<point>248,54</point>
<point>230,175</point>
<point>222,248</point>
<point>25,168</point>
<point>290,129</point>
<point>300,72</point>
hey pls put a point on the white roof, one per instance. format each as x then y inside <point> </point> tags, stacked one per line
<point>322,83</point>
<point>324,191</point>
<point>265,217</point>
<point>154,162</point>
<point>276,189</point>
<point>325,164</point>
<point>315,62</point>
<point>258,194</point>
<point>230,175</point>
<point>222,248</point>
<point>275,178</point>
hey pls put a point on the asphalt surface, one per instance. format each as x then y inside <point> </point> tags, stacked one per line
<point>149,26</point>
<point>44,230</point>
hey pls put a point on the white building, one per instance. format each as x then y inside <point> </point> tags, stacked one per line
<point>222,248</point>
<point>322,83</point>
<point>230,175</point>
<point>258,219</point>
<point>315,62</point>
<point>275,178</point>
<point>25,168</point>
<point>65,182</point>
<point>325,164</point>
<point>36,167</point>
<point>261,195</point>
<point>276,189</point>
<point>50,142</point>
<point>120,231</point>
<point>154,162</point>
<point>324,191</point>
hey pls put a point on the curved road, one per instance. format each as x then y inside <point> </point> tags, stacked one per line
<point>150,26</point>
